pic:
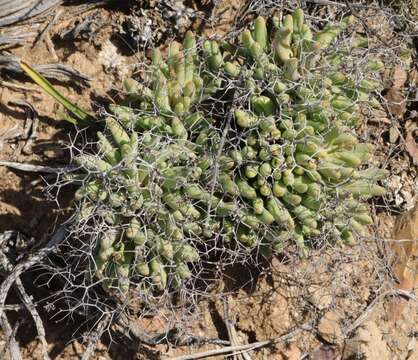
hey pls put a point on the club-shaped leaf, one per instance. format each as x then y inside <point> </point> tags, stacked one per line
<point>83,117</point>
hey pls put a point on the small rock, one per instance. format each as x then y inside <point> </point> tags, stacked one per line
<point>329,327</point>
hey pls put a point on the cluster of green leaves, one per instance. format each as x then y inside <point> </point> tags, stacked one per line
<point>171,179</point>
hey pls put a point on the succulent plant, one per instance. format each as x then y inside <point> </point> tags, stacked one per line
<point>278,161</point>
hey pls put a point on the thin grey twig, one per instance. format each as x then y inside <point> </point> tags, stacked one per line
<point>366,313</point>
<point>11,134</point>
<point>33,168</point>
<point>229,325</point>
<point>12,39</point>
<point>158,338</point>
<point>32,120</point>
<point>48,26</point>
<point>31,308</point>
<point>232,333</point>
<point>31,124</point>
<point>334,3</point>
<point>225,132</point>
<point>95,337</point>
<point>36,318</point>
<point>247,347</point>
<point>24,88</point>
<point>27,263</point>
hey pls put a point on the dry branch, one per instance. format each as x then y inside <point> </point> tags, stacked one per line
<point>15,11</point>
<point>50,71</point>
<point>374,303</point>
<point>30,306</point>
<point>13,345</point>
<point>32,168</point>
<point>27,263</point>
<point>247,347</point>
<point>95,337</point>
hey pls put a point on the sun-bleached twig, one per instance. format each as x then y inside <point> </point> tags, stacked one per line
<point>11,341</point>
<point>95,337</point>
<point>27,263</point>
<point>30,306</point>
<point>32,168</point>
<point>246,347</point>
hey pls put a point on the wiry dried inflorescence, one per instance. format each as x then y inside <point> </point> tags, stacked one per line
<point>281,162</point>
